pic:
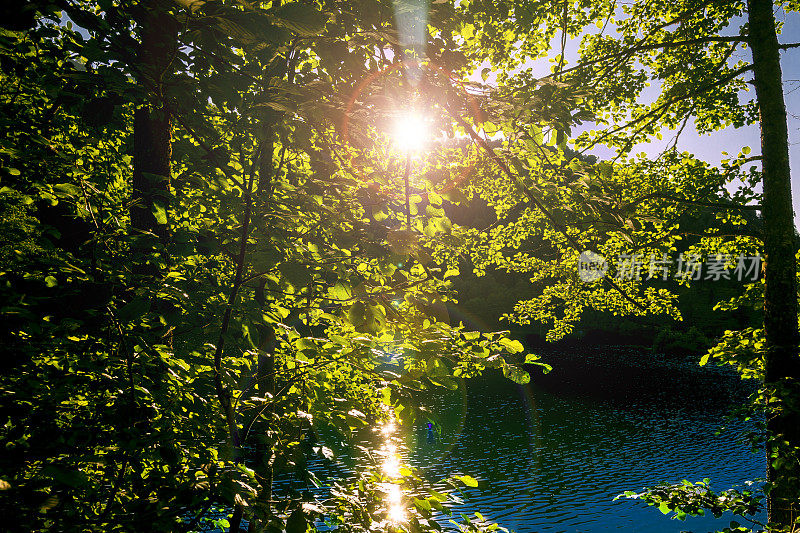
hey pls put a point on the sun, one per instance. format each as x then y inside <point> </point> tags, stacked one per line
<point>410,132</point>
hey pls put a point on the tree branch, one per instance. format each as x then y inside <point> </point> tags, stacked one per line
<point>702,203</point>
<point>222,393</point>
<point>653,46</point>
<point>531,197</point>
<point>662,108</point>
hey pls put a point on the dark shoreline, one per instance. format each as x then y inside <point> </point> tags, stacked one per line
<point>632,373</point>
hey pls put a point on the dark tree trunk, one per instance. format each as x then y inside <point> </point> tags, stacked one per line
<point>782,365</point>
<point>265,457</point>
<point>265,163</point>
<point>152,153</point>
<point>152,148</point>
<point>152,137</point>
<point>265,372</point>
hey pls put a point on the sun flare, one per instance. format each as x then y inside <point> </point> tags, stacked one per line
<point>410,132</point>
<point>391,466</point>
<point>394,501</point>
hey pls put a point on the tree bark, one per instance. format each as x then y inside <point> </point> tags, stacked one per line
<point>152,167</point>
<point>265,373</point>
<point>152,124</point>
<point>782,365</point>
<point>265,456</point>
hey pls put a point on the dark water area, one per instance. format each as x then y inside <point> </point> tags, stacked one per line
<point>551,456</point>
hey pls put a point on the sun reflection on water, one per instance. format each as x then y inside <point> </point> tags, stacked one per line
<point>390,465</point>
<point>394,500</point>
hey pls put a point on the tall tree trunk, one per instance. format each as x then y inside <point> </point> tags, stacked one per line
<point>152,165</point>
<point>782,364</point>
<point>266,335</point>
<point>152,145</point>
<point>265,372</point>
<point>152,125</point>
<point>265,456</point>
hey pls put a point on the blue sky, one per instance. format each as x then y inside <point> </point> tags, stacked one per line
<point>710,147</point>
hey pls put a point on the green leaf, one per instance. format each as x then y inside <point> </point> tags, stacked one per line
<point>516,374</point>
<point>159,211</point>
<point>424,506</point>
<point>469,481</point>
<point>605,169</point>
<point>441,496</point>
<point>450,272</point>
<point>380,215</point>
<point>357,313</point>
<point>341,291</point>
<point>133,309</point>
<point>251,28</point>
<point>66,189</point>
<point>302,19</point>
<point>296,523</point>
<point>512,346</point>
<point>444,381</point>
<point>455,196</point>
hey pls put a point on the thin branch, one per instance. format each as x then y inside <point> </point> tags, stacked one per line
<point>222,393</point>
<point>653,46</point>
<point>728,233</point>
<point>661,109</point>
<point>703,203</point>
<point>531,197</point>
<point>209,151</point>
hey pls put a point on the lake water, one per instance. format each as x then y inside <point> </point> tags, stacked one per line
<point>551,456</point>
